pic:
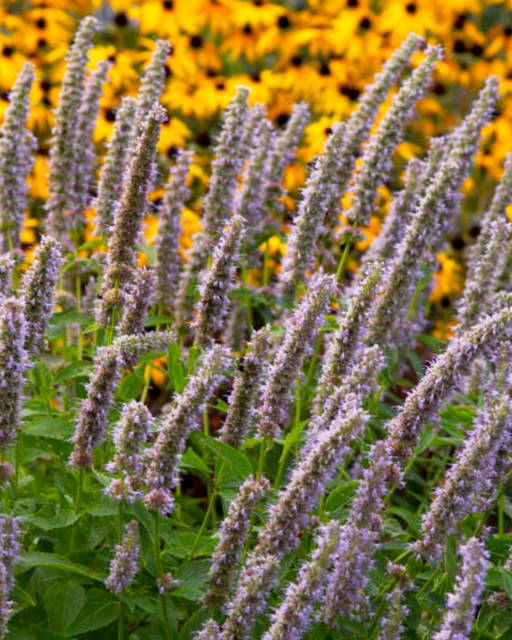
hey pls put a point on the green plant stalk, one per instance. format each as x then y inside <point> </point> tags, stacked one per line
<point>159,569</point>
<point>120,622</point>
<point>78,501</point>
<point>209,510</point>
<point>342,264</point>
<point>286,449</point>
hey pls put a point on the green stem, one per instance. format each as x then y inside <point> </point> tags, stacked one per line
<point>209,510</point>
<point>340,271</point>
<point>120,622</point>
<point>261,461</point>
<point>159,571</point>
<point>501,518</point>
<point>78,501</point>
<point>265,266</point>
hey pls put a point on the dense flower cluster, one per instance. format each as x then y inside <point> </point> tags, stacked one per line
<point>258,437</point>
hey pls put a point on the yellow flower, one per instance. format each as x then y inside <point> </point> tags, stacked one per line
<point>370,233</point>
<point>447,280</point>
<point>273,246</point>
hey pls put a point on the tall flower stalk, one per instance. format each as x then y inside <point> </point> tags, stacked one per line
<point>16,157</point>
<point>64,135</point>
<point>128,219</point>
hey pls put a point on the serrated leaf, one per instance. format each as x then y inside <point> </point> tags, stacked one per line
<point>29,559</point>
<point>99,610</point>
<point>341,495</point>
<point>62,602</point>
<point>236,460</point>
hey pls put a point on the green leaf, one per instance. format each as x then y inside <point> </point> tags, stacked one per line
<point>29,559</point>
<point>60,321</point>
<point>55,428</point>
<point>407,516</point>
<point>59,521</point>
<point>191,460</point>
<point>506,576</point>
<point>99,610</point>
<point>180,543</point>
<point>130,387</point>
<point>193,578</point>
<point>235,459</point>
<point>74,370</point>
<point>435,344</point>
<point>458,415</point>
<point>63,601</point>
<point>341,495</point>
<point>22,597</point>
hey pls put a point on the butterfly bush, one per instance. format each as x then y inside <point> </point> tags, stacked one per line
<point>251,429</point>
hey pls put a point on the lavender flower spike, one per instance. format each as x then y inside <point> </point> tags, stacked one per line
<point>137,303</point>
<point>360,122</point>
<point>92,417</point>
<point>376,157</point>
<point>210,631</point>
<point>85,157</point>
<point>464,599</point>
<point>249,600</point>
<point>152,85</point>
<point>300,331</point>
<point>164,456</point>
<point>124,564</point>
<point>485,272</point>
<point>12,366</point>
<point>245,388</point>
<point>250,200</point>
<point>321,193</point>
<point>213,305</point>
<point>429,222</point>
<point>168,261</point>
<point>6,268</point>
<point>292,618</point>
<point>392,627</point>
<point>472,480</point>
<point>112,172</point>
<point>9,549</point>
<point>233,533</point>
<point>344,342</point>
<point>38,290</point>
<point>64,134</point>
<point>290,514</point>
<point>441,379</point>
<point>501,198</point>
<point>230,155</point>
<point>15,160</point>
<point>132,346</point>
<point>132,430</point>
<point>128,219</point>
<point>353,558</point>
<point>282,152</point>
